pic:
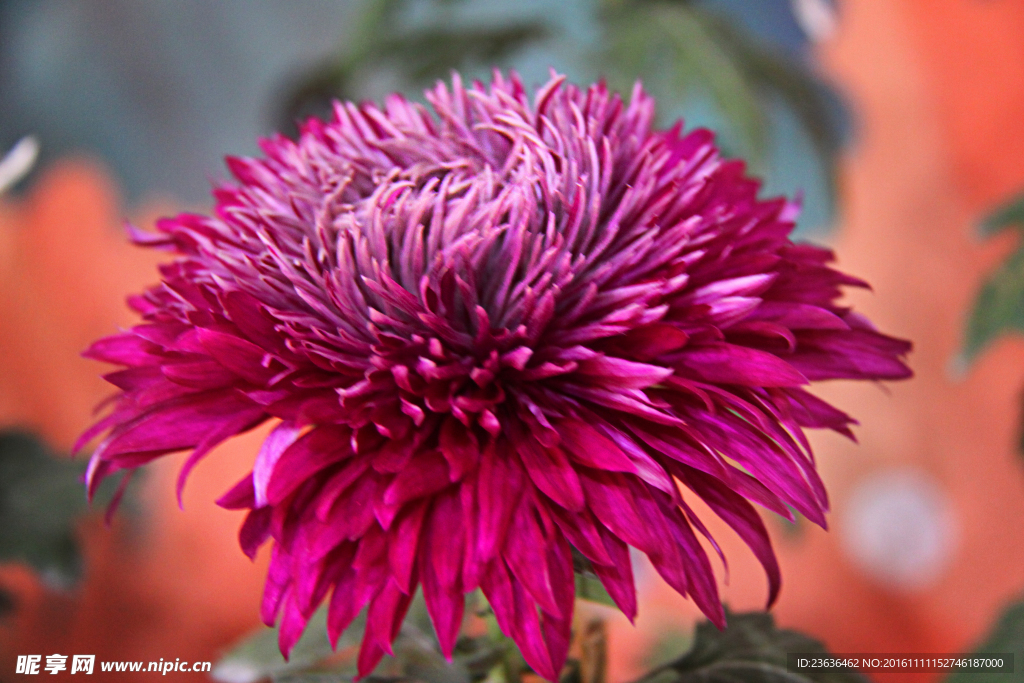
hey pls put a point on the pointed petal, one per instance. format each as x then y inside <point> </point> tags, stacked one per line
<point>254,531</point>
<point>283,435</point>
<point>526,555</point>
<point>293,623</point>
<point>459,447</point>
<point>370,654</point>
<point>550,471</point>
<point>617,576</point>
<point>314,451</point>
<point>497,476</point>
<point>278,580</point>
<point>733,364</point>
<point>517,616</point>
<point>241,496</point>
<point>441,571</point>
<point>429,476</point>
<point>593,449</point>
<point>384,618</point>
<point>741,516</point>
<point>403,541</point>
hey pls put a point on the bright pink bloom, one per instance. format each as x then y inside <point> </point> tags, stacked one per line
<point>491,335</point>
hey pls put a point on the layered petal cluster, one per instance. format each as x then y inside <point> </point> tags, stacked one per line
<point>494,337</point>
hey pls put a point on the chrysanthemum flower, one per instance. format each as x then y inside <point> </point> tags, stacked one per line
<point>490,335</point>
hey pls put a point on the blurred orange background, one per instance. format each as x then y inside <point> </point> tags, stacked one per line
<point>937,91</point>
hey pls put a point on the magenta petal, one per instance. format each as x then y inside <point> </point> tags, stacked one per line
<point>797,316</point>
<point>702,587</point>
<point>526,553</point>
<point>125,349</point>
<point>497,588</point>
<point>446,611</point>
<point>241,496</point>
<point>441,571</point>
<point>529,636</point>
<point>810,411</point>
<point>282,436</point>
<point>731,364</point>
<point>557,636</point>
<point>741,516</point>
<point>404,538</point>
<point>135,379</point>
<point>550,470</point>
<point>497,476</point>
<point>624,373</point>
<point>370,654</point>
<point>459,447</point>
<point>472,565</point>
<point>591,448</point>
<point>651,341</point>
<point>278,580</point>
<point>241,422</point>
<point>517,616</point>
<point>611,500</point>
<point>241,357</point>
<point>349,597</point>
<point>322,575</point>
<point>353,513</point>
<point>338,484</point>
<point>254,531</point>
<point>203,374</point>
<point>180,423</point>
<point>557,627</point>
<point>668,558</point>
<point>428,477</point>
<point>853,354</point>
<point>581,530</point>
<point>617,575</point>
<point>293,623</point>
<point>384,618</point>
<point>247,313</point>
<point>306,456</point>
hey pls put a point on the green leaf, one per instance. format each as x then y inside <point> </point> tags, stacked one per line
<point>417,655</point>
<point>378,42</point>
<point>999,307</point>
<point>670,644</point>
<point>673,45</point>
<point>257,657</point>
<point>41,496</point>
<point>686,49</point>
<point>588,586</point>
<point>313,677</point>
<point>792,530</point>
<point>1006,636</point>
<point>418,659</point>
<point>750,649</point>
<point>681,49</point>
<point>431,53</point>
<point>591,589</point>
<point>774,73</point>
<point>1010,214</point>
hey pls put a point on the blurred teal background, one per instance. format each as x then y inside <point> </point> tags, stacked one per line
<point>162,89</point>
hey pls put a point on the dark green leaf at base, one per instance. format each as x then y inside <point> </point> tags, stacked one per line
<point>1006,636</point>
<point>751,649</point>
